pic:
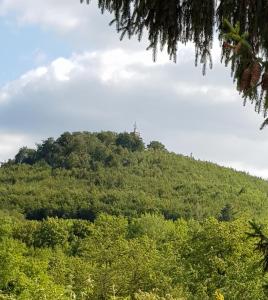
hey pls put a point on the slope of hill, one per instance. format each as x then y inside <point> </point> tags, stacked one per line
<point>153,236</point>
<point>82,174</point>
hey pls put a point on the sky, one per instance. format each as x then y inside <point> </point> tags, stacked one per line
<point>63,68</point>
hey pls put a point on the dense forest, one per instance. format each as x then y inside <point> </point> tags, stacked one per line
<point>102,216</point>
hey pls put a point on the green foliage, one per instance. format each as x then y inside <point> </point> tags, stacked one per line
<point>155,145</point>
<point>130,141</point>
<point>149,225</point>
<point>105,177</point>
<point>51,233</point>
<point>261,242</point>
<point>227,213</point>
<point>249,68</point>
<point>189,260</point>
<point>26,156</point>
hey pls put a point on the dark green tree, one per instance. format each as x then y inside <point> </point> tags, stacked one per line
<point>107,137</point>
<point>25,156</point>
<point>46,151</point>
<point>261,242</point>
<point>227,213</point>
<point>155,145</point>
<point>173,21</point>
<point>131,141</point>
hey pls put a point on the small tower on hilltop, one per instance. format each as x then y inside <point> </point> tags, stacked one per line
<point>135,132</point>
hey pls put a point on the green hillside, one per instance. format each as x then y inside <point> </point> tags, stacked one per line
<point>99,216</point>
<point>82,174</point>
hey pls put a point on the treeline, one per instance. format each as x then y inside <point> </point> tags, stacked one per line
<point>146,258</point>
<point>81,175</point>
<point>85,150</point>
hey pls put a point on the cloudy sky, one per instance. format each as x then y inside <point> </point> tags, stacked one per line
<point>62,68</point>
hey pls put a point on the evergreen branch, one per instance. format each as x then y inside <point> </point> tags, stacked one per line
<point>264,124</point>
<point>262,243</point>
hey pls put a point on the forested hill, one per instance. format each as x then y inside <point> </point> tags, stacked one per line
<point>82,174</point>
<point>153,235</point>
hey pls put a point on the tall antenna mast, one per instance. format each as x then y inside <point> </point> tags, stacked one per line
<point>136,129</point>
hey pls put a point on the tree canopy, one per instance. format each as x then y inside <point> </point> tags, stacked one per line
<point>80,174</point>
<point>97,215</point>
<point>241,26</point>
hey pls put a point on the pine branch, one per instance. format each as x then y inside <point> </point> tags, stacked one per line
<point>262,243</point>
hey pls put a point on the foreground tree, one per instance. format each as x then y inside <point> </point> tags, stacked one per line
<point>168,23</point>
<point>261,238</point>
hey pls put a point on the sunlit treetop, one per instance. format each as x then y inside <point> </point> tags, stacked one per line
<point>236,22</point>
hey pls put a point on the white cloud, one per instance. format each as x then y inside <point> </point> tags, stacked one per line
<point>82,26</point>
<point>9,144</point>
<point>241,166</point>
<point>241,152</point>
<point>110,89</point>
<point>62,68</point>
<point>114,66</point>
<point>47,13</point>
<point>217,93</point>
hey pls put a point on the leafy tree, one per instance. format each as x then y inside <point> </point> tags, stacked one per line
<point>131,141</point>
<point>225,252</point>
<point>25,155</point>
<point>155,145</point>
<point>117,258</point>
<point>154,226</point>
<point>11,253</point>
<point>51,233</point>
<point>46,151</point>
<point>107,137</point>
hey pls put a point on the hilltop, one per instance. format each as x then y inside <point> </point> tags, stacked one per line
<point>102,216</point>
<point>82,174</point>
